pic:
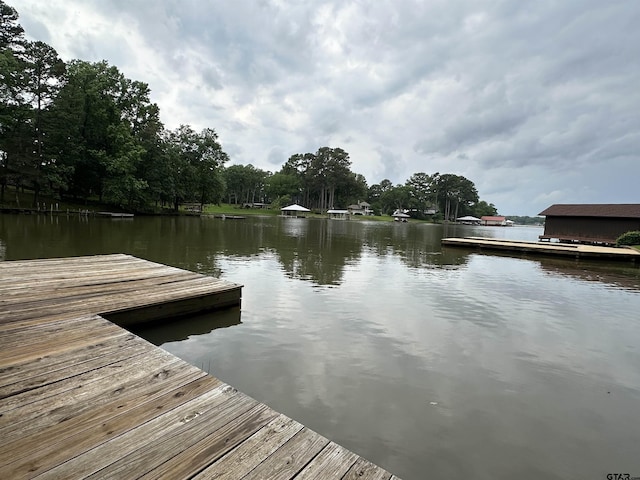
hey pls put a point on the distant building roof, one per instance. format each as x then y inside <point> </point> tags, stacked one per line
<point>614,210</point>
<point>399,214</point>
<point>487,218</point>
<point>295,208</point>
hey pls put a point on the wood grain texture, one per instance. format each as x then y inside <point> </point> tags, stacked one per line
<point>290,458</point>
<point>333,461</point>
<point>80,397</point>
<point>365,470</point>
<point>240,461</point>
<point>55,289</point>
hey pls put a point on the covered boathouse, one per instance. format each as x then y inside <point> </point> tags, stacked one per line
<point>590,223</point>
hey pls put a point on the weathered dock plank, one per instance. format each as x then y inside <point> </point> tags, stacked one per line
<point>80,397</point>
<point>591,252</point>
<point>364,469</point>
<point>80,387</point>
<point>130,291</point>
<point>209,443</point>
<point>291,457</point>
<point>254,450</point>
<point>333,461</point>
<point>73,419</point>
<point>39,373</point>
<point>81,437</point>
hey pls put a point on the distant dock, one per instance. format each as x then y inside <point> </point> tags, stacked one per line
<point>229,217</point>
<point>58,212</point>
<point>592,252</point>
<point>114,214</point>
<point>80,396</point>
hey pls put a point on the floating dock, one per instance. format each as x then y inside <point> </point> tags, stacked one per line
<point>82,397</point>
<point>114,214</point>
<point>592,252</point>
<point>224,216</point>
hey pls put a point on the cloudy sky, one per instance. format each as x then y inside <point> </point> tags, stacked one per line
<point>536,102</point>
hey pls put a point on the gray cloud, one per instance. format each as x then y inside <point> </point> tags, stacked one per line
<point>535,102</point>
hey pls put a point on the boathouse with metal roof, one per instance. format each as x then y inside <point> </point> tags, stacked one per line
<point>590,223</point>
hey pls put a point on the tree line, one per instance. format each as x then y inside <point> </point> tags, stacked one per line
<point>324,180</point>
<point>83,131</point>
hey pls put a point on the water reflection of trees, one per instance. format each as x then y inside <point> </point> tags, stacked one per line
<point>626,276</point>
<point>317,250</point>
<point>417,245</point>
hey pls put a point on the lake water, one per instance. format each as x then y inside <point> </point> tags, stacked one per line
<point>433,363</point>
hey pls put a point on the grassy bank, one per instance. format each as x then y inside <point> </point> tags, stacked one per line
<point>228,209</point>
<point>17,198</point>
<point>24,200</point>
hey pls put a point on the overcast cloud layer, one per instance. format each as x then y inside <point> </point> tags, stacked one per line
<point>535,102</point>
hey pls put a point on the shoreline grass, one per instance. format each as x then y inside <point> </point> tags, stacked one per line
<point>24,200</point>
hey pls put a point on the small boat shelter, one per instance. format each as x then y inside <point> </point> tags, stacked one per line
<point>338,214</point>
<point>469,220</point>
<point>400,216</point>
<point>294,211</point>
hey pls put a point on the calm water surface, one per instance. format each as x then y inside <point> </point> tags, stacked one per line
<point>434,363</point>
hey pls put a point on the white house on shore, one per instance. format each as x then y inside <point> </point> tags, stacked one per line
<point>360,208</point>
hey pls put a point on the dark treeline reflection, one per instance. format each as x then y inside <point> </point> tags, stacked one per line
<point>316,250</point>
<point>617,275</point>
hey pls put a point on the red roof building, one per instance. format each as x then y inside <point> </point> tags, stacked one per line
<point>493,221</point>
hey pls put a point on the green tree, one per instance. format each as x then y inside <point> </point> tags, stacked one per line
<point>44,75</point>
<point>108,136</point>
<point>483,208</point>
<point>245,183</point>
<point>208,164</point>
<point>11,32</point>
<point>195,164</point>
<point>422,190</point>
<point>283,185</point>
<point>353,189</point>
<point>455,195</point>
<point>375,192</point>
<point>332,172</point>
<point>234,176</point>
<point>299,166</point>
<point>323,175</point>
<point>122,186</point>
<point>396,198</point>
<point>88,118</point>
<point>14,110</point>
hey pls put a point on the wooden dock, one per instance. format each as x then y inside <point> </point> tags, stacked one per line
<point>592,252</point>
<point>81,397</point>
